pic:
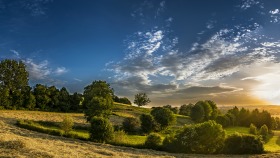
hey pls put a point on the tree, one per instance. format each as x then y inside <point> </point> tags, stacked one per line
<point>98,99</point>
<point>264,131</point>
<point>67,124</point>
<point>148,124</point>
<point>13,79</point>
<point>197,113</point>
<point>75,101</point>
<point>173,109</point>
<point>202,138</point>
<point>131,125</point>
<point>163,116</point>
<point>206,108</point>
<point>243,144</point>
<point>53,93</point>
<point>253,129</point>
<point>141,99</point>
<point>186,109</point>
<point>13,75</point>
<point>42,96</point>
<point>64,100</point>
<point>101,130</point>
<point>123,100</point>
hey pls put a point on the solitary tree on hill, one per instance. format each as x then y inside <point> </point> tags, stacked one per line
<point>141,99</point>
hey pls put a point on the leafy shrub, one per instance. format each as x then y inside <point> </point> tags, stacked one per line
<point>153,141</point>
<point>101,130</point>
<point>264,132</point>
<point>120,137</point>
<point>243,144</point>
<point>67,124</point>
<point>148,124</point>
<point>253,129</point>
<point>131,125</point>
<point>203,138</point>
<point>163,116</point>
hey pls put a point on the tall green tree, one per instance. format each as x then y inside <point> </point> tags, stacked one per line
<point>98,99</point>
<point>185,109</point>
<point>13,79</point>
<point>64,100</point>
<point>75,101</point>
<point>53,93</point>
<point>42,97</point>
<point>197,113</point>
<point>141,99</point>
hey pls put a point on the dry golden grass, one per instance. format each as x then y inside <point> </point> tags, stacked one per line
<point>17,142</point>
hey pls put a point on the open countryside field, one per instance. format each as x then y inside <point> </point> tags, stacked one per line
<point>18,142</point>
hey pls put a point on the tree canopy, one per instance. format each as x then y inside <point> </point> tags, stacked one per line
<point>141,99</point>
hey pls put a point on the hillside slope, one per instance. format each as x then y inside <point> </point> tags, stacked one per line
<point>18,142</point>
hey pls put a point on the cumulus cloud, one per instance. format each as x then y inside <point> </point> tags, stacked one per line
<point>37,71</point>
<point>274,15</point>
<point>60,71</point>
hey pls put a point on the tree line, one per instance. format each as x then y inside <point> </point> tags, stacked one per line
<point>15,92</point>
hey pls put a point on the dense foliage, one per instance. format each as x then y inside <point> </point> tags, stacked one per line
<point>141,99</point>
<point>148,124</point>
<point>101,130</point>
<point>98,99</point>
<point>163,116</point>
<point>206,138</point>
<point>131,125</point>
<point>243,144</point>
<point>203,111</point>
<point>153,141</point>
<point>244,117</point>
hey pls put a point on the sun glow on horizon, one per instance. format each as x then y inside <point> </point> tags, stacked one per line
<point>269,88</point>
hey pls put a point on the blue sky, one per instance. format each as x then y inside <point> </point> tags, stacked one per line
<point>176,51</point>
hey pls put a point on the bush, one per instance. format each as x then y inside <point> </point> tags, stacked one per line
<point>264,132</point>
<point>131,125</point>
<point>148,124</point>
<point>153,141</point>
<point>243,144</point>
<point>203,138</point>
<point>101,130</point>
<point>119,138</point>
<point>67,124</point>
<point>253,129</point>
<point>163,116</point>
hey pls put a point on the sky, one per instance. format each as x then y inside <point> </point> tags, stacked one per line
<point>176,51</point>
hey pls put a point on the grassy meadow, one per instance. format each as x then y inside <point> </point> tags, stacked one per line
<point>19,142</point>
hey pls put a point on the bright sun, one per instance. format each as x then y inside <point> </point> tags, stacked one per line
<point>269,88</point>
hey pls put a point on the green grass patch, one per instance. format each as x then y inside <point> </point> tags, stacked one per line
<point>232,130</point>
<point>52,130</point>
<point>183,120</point>
<point>273,145</point>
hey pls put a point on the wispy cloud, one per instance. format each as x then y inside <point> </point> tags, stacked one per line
<point>79,80</point>
<point>16,53</point>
